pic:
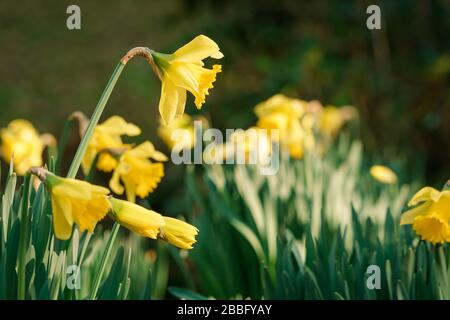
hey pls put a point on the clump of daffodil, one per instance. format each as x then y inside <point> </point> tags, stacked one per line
<point>383,174</point>
<point>292,119</point>
<point>180,134</point>
<point>430,217</point>
<point>22,143</point>
<point>332,119</point>
<point>152,225</point>
<point>106,136</point>
<point>73,201</point>
<point>139,175</point>
<point>184,71</point>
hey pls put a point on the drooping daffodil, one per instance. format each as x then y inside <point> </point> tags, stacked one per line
<point>73,201</point>
<point>184,71</point>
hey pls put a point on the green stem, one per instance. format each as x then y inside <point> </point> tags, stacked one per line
<point>101,269</point>
<point>23,237</point>
<point>94,120</point>
<point>62,144</point>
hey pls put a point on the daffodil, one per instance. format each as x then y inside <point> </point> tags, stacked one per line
<point>383,174</point>
<point>184,71</point>
<point>74,201</point>
<point>181,132</point>
<point>282,106</point>
<point>431,216</point>
<point>22,143</point>
<point>293,121</point>
<point>151,224</point>
<point>332,119</point>
<point>145,222</point>
<point>139,175</point>
<point>107,136</point>
<point>178,233</point>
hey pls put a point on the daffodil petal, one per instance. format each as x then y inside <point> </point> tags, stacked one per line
<point>72,188</point>
<point>199,48</point>
<point>62,217</point>
<point>159,156</point>
<point>409,216</point>
<point>144,150</point>
<point>168,103</point>
<point>114,183</point>
<point>135,215</point>
<point>181,101</point>
<point>425,194</point>
<point>117,125</point>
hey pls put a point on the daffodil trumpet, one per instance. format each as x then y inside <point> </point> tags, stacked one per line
<point>73,201</point>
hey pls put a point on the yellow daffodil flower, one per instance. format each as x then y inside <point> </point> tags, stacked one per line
<point>293,120</point>
<point>181,132</point>
<point>145,222</point>
<point>178,233</point>
<point>22,143</point>
<point>183,71</point>
<point>430,219</point>
<point>139,175</point>
<point>283,107</point>
<point>332,119</point>
<point>107,136</point>
<point>74,201</point>
<point>383,174</point>
<point>151,224</point>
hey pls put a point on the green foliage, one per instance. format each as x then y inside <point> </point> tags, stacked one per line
<point>310,232</point>
<point>26,224</point>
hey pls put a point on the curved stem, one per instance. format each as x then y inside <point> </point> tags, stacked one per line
<point>138,51</point>
<point>94,121</point>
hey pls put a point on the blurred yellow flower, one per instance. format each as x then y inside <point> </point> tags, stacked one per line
<point>332,119</point>
<point>383,174</point>
<point>151,224</point>
<point>282,106</point>
<point>254,144</point>
<point>21,141</point>
<point>178,233</point>
<point>139,175</point>
<point>293,120</point>
<point>74,201</point>
<point>430,219</point>
<point>183,70</point>
<point>107,136</point>
<point>181,132</point>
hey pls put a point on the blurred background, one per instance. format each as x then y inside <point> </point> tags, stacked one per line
<point>398,77</point>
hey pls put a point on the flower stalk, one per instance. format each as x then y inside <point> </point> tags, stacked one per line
<point>76,162</point>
